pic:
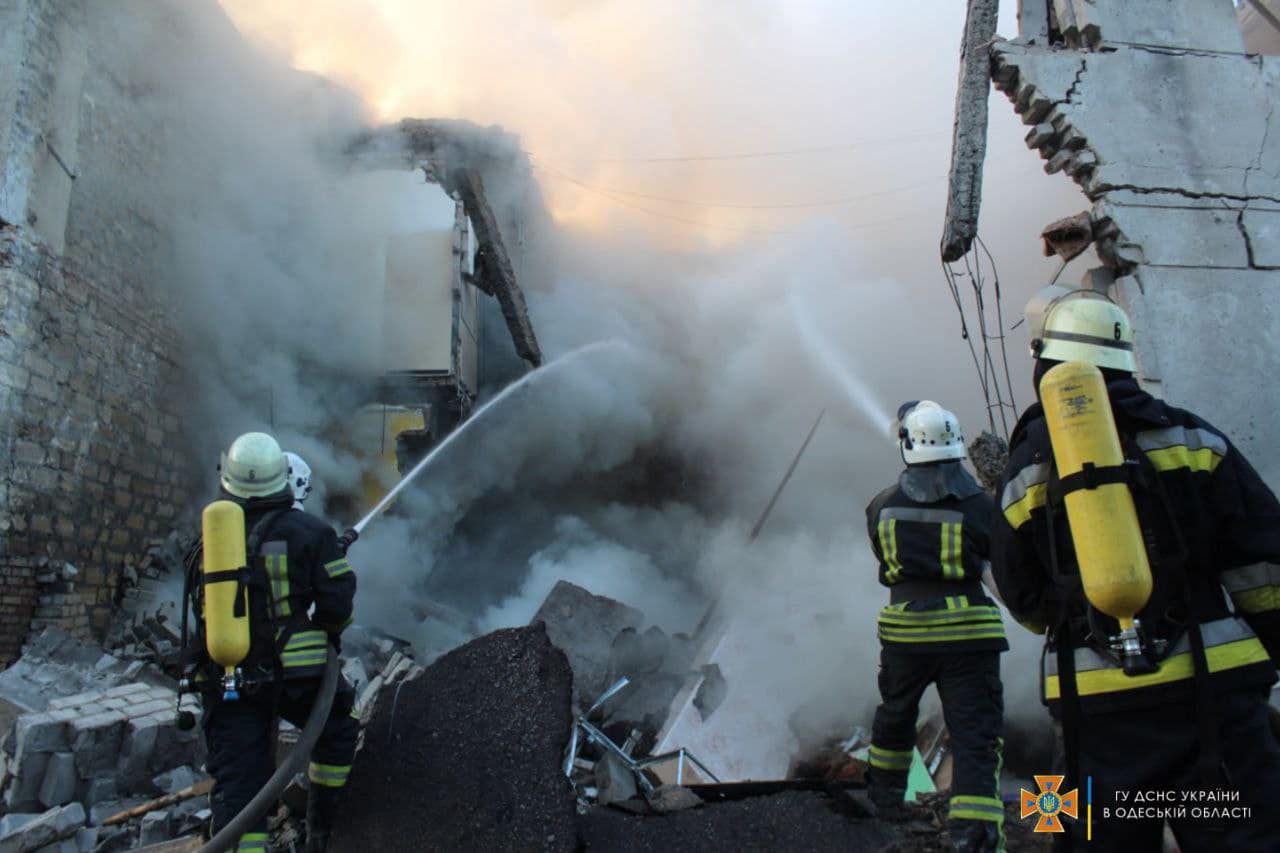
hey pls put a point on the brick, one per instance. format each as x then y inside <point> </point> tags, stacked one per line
<point>151,707</point>
<point>28,453</point>
<point>127,690</point>
<point>23,793</point>
<point>41,733</point>
<point>59,785</point>
<point>97,741</point>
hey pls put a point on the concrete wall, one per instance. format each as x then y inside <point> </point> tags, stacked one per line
<point>1170,130</point>
<point>92,457</point>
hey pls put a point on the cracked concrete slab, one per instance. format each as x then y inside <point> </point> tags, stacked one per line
<point>1203,324</point>
<point>1184,150</point>
<point>1182,237</point>
<point>1198,25</point>
<point>1262,230</point>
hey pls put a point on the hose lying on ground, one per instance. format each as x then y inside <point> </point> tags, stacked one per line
<point>258,807</point>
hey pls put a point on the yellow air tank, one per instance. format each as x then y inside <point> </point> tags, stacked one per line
<point>1104,523</point>
<point>226,634</point>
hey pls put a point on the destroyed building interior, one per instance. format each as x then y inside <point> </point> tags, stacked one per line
<point>629,603</point>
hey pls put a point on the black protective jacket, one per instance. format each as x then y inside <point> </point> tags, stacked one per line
<point>929,533</point>
<point>1212,528</point>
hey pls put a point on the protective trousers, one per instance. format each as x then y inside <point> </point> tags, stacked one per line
<point>973,709</point>
<point>1144,770</point>
<point>241,745</point>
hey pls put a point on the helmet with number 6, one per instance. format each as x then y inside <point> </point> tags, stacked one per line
<point>929,433</point>
<point>253,467</point>
<point>1080,325</point>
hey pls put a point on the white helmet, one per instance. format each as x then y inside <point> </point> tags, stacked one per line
<point>929,433</point>
<point>1080,325</point>
<point>299,477</point>
<point>254,466</point>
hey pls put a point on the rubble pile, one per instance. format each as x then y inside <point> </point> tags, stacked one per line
<point>603,642</point>
<point>791,820</point>
<point>467,756</point>
<point>54,665</point>
<point>86,758</point>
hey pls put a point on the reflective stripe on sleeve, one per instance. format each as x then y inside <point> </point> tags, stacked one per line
<point>1024,493</point>
<point>337,568</point>
<point>1178,447</point>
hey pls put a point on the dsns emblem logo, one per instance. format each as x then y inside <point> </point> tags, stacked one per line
<point>1049,804</point>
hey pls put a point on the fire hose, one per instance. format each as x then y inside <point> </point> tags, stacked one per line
<point>266,797</point>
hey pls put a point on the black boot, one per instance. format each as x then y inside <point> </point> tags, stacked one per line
<point>974,836</point>
<point>321,802</point>
<point>886,790</point>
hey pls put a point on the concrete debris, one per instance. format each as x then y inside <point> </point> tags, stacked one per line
<point>989,453</point>
<point>20,833</point>
<point>54,665</point>
<point>672,798</point>
<point>711,692</point>
<point>155,828</point>
<point>615,782</point>
<point>1068,238</point>
<point>585,627</point>
<point>82,754</point>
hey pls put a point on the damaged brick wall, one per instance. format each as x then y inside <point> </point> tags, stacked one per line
<point>94,463</point>
<point>1168,127</point>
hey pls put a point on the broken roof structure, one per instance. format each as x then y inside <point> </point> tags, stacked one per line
<point>487,170</point>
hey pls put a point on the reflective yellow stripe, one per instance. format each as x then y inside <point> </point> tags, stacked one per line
<point>1181,456</point>
<point>252,841</point>
<point>889,548</point>
<point>1176,668</point>
<point>328,775</point>
<point>1257,600</point>
<point>951,558</point>
<point>277,564</point>
<point>953,616</point>
<point>945,556</point>
<point>967,807</point>
<point>300,660</point>
<point>1254,588</point>
<point>949,635</point>
<point>1019,512</point>
<point>335,568</point>
<point>889,759</point>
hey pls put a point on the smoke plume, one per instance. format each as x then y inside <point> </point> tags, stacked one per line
<point>748,293</point>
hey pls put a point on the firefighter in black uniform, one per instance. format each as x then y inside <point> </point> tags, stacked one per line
<point>296,562</point>
<point>1211,530</point>
<point>930,534</point>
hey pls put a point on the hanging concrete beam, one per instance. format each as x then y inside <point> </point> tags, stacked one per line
<point>969,134</point>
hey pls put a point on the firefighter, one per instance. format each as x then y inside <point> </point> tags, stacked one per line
<point>1193,714</point>
<point>929,532</point>
<point>295,563</point>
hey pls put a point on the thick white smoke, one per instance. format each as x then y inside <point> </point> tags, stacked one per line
<point>637,475</point>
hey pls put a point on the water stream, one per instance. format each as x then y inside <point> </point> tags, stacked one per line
<point>479,413</point>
